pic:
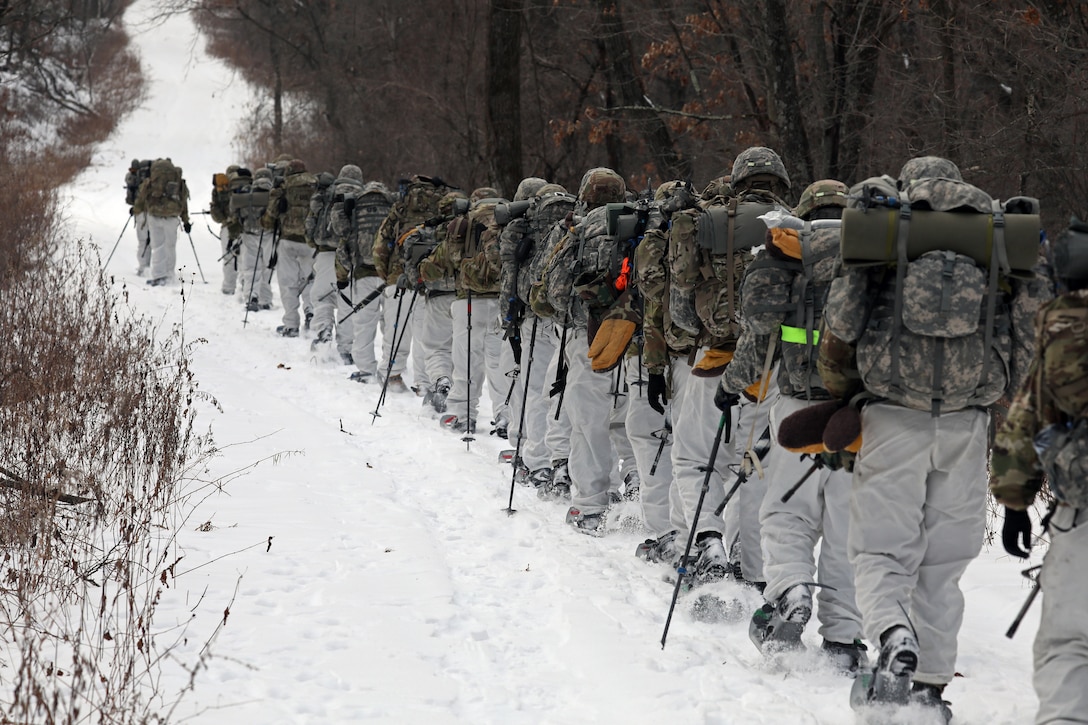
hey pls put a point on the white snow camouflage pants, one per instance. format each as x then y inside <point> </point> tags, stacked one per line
<point>294,275</point>
<point>1061,643</point>
<point>917,519</point>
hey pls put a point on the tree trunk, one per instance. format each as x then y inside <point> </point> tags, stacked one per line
<point>504,94</point>
<point>627,84</point>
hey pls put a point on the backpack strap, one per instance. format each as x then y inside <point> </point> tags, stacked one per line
<point>900,275</point>
<point>807,303</point>
<point>731,283</point>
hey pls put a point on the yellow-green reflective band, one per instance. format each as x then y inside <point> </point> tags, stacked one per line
<point>798,335</point>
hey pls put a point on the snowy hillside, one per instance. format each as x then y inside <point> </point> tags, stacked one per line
<point>370,571</point>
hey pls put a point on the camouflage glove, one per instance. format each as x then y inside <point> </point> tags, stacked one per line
<point>1017,526</point>
<point>187,226</point>
<point>657,392</point>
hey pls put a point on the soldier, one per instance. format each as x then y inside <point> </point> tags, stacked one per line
<point>164,198</point>
<point>357,213</point>
<point>291,257</point>
<point>418,202</point>
<point>472,243</point>
<point>520,241</point>
<point>230,231</point>
<point>918,503</point>
<point>248,206</point>
<point>782,297</point>
<point>329,307</point>
<point>587,394</point>
<point>138,171</point>
<point>1045,432</point>
<point>426,262</point>
<point>665,350</point>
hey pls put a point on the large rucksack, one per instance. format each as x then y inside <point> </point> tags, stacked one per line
<point>938,336</point>
<point>135,176</point>
<point>167,194</point>
<point>371,204</point>
<point>709,250</point>
<point>519,242</point>
<point>481,267</point>
<point>297,189</point>
<point>594,265</point>
<point>220,203</point>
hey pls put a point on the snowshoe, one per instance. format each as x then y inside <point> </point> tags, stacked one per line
<point>777,626</point>
<point>284,331</point>
<point>589,524</point>
<point>558,487</point>
<point>847,659</point>
<point>711,563</point>
<point>889,683</point>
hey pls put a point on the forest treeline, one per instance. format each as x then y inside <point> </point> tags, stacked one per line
<point>489,91</point>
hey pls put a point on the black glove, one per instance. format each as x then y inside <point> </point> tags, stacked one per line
<point>724,400</point>
<point>560,382</point>
<point>131,212</point>
<point>1017,525</point>
<point>657,392</point>
<point>281,205</point>
<point>342,283</point>
<point>187,226</point>
<point>349,205</point>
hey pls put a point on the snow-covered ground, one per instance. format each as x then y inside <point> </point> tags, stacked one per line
<point>370,570</point>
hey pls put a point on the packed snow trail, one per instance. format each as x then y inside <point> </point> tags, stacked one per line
<point>378,577</point>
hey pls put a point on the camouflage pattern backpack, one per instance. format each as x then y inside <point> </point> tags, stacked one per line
<point>167,194</point>
<point>935,332</point>
<point>518,243</point>
<point>219,206</point>
<point>138,171</point>
<point>298,187</point>
<point>316,227</point>
<point>370,205</point>
<point>419,202</point>
<point>481,267</point>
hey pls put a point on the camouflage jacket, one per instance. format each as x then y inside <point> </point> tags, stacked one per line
<point>1055,391</point>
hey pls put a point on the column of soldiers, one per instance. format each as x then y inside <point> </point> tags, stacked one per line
<point>798,396</point>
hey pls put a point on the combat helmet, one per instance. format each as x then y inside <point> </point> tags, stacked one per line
<point>928,167</point>
<point>601,186</point>
<point>758,161</point>
<point>826,192</point>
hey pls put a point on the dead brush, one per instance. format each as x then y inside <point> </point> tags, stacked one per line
<point>94,402</point>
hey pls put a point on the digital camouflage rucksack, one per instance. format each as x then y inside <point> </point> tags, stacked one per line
<point>319,233</point>
<point>420,198</point>
<point>167,194</point>
<point>519,241</point>
<point>297,188</point>
<point>358,213</point>
<point>481,267</point>
<point>938,333</point>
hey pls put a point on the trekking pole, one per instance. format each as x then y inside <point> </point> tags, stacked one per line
<point>393,349</point>
<point>115,244</point>
<point>561,369</point>
<point>468,438</point>
<point>275,256</point>
<point>761,447</point>
<point>253,279</point>
<point>661,446</point>
<point>513,383</point>
<point>681,570</point>
<point>817,464</point>
<point>1036,587</point>
<point>521,417</point>
<point>202,278</point>
<point>365,301</point>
